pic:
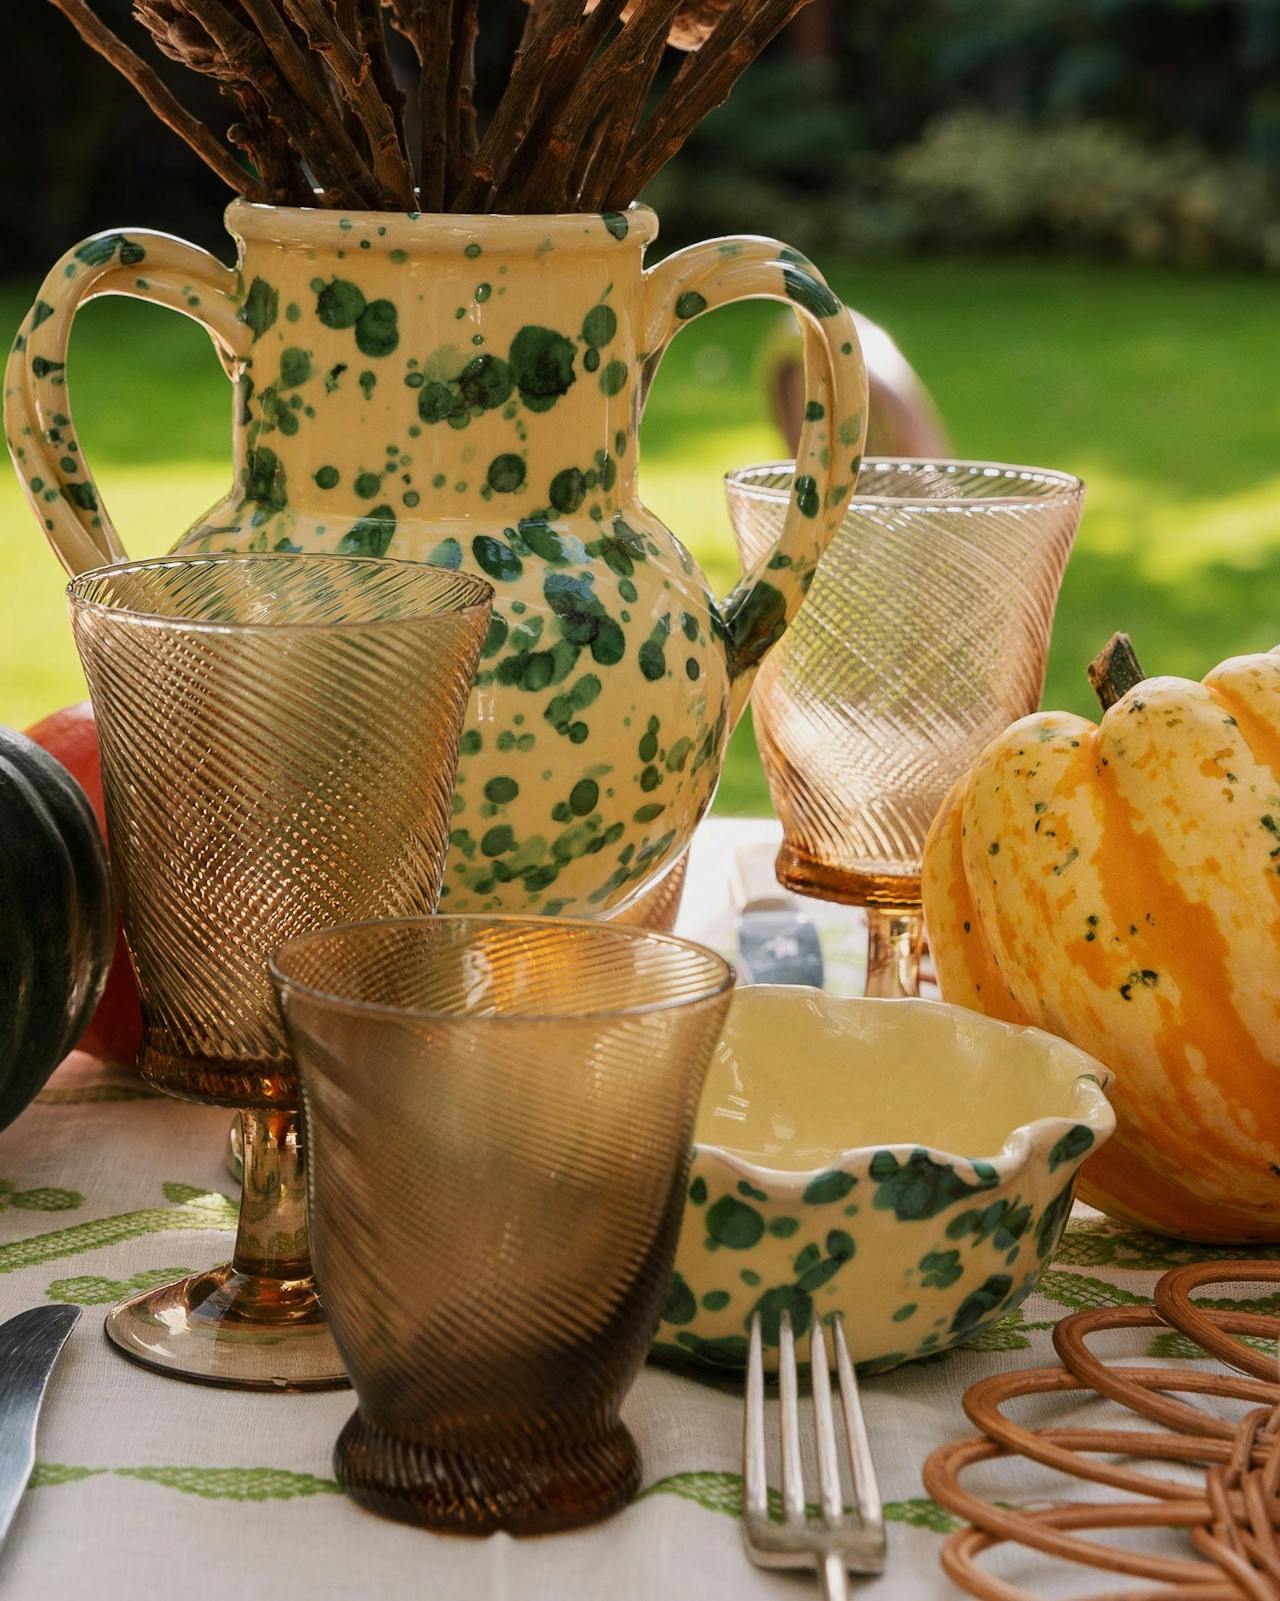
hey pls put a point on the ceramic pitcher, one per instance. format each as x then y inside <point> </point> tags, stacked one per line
<point>466,391</point>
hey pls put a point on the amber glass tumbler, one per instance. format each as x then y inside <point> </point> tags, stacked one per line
<point>924,635</point>
<point>279,736</point>
<point>500,1113</point>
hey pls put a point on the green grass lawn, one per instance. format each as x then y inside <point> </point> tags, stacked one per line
<point>1157,387</point>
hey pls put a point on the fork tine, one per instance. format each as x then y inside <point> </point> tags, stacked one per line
<point>792,1469</point>
<point>866,1487</point>
<point>829,1491</point>
<point>755,1493</point>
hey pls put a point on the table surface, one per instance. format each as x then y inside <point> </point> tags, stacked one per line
<point>146,1485</point>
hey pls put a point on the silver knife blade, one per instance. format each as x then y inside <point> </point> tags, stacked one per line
<point>30,1345</point>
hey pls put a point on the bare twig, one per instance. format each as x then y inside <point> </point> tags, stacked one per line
<point>169,109</point>
<point>614,88</point>
<point>355,78</point>
<point>702,83</point>
<point>244,62</point>
<point>462,93</point>
<point>433,25</point>
<point>542,79</point>
<point>303,82</point>
<point>370,37</point>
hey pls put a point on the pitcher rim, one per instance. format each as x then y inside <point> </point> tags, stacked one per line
<point>521,232</point>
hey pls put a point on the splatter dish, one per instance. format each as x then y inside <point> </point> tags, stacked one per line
<point>826,1177</point>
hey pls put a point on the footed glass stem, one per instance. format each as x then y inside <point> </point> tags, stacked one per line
<point>894,938</point>
<point>256,1322</point>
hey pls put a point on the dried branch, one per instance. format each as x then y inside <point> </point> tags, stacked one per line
<point>433,26</point>
<point>370,37</point>
<point>317,100</point>
<point>170,110</point>
<point>609,83</point>
<point>244,62</point>
<point>355,78</point>
<point>461,94</point>
<point>518,108</point>
<point>563,48</point>
<point>702,83</point>
<point>305,85</point>
<point>265,142</point>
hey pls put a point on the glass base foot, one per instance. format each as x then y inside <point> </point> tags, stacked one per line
<point>849,886</point>
<point>524,1485</point>
<point>232,1329</point>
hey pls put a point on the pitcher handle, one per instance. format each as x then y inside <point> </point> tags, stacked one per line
<point>37,411</point>
<point>829,454</point>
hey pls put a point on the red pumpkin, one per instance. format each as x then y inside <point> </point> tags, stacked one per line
<point>115,1029</point>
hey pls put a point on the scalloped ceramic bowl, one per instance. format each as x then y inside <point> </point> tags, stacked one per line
<point>907,1163</point>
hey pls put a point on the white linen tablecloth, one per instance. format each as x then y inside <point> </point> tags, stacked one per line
<point>146,1486</point>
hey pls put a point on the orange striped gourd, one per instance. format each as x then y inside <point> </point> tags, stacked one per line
<point>1119,885</point>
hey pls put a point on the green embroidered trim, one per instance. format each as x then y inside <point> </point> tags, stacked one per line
<point>38,1200</point>
<point>80,1095</point>
<point>199,1210</point>
<point>1081,1293</point>
<point>1097,1242</point>
<point>212,1484</point>
<point>1008,1334</point>
<point>88,1290</point>
<point>717,1491</point>
<point>1184,1349</point>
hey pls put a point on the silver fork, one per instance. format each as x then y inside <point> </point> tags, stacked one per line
<point>836,1542</point>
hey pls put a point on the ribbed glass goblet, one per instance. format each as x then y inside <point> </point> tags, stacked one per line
<point>279,736</point>
<point>925,633</point>
<point>500,1113</point>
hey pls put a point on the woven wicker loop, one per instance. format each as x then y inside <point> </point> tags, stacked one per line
<point>1233,1523</point>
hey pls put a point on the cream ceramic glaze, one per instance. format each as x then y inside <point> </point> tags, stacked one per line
<point>466,391</point>
<point>824,1178</point>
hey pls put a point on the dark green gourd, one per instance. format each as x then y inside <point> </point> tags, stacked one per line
<point>57,929</point>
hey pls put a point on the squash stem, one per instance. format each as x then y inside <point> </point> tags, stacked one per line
<point>1115,670</point>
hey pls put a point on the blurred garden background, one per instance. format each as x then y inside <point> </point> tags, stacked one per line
<point>1065,212</point>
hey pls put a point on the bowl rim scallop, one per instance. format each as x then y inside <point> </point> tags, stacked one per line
<point>1093,1108</point>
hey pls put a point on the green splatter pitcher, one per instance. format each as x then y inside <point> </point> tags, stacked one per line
<point>466,390</point>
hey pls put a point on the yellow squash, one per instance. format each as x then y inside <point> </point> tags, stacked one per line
<point>1119,885</point>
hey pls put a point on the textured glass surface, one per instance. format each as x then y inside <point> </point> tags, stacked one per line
<point>925,633</point>
<point>279,735</point>
<point>501,1117</point>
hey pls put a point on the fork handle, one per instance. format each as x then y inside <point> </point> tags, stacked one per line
<point>834,1578</point>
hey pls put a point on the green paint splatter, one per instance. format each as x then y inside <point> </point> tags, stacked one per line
<point>340,303</point>
<point>542,364</point>
<point>372,535</point>
<point>506,473</point>
<point>261,307</point>
<point>377,331</point>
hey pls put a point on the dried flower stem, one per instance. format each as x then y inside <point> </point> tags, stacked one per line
<point>371,39</point>
<point>170,110</point>
<point>617,83</point>
<point>307,87</point>
<point>702,83</point>
<point>355,78</point>
<point>318,103</point>
<point>461,93</point>
<point>433,26</point>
